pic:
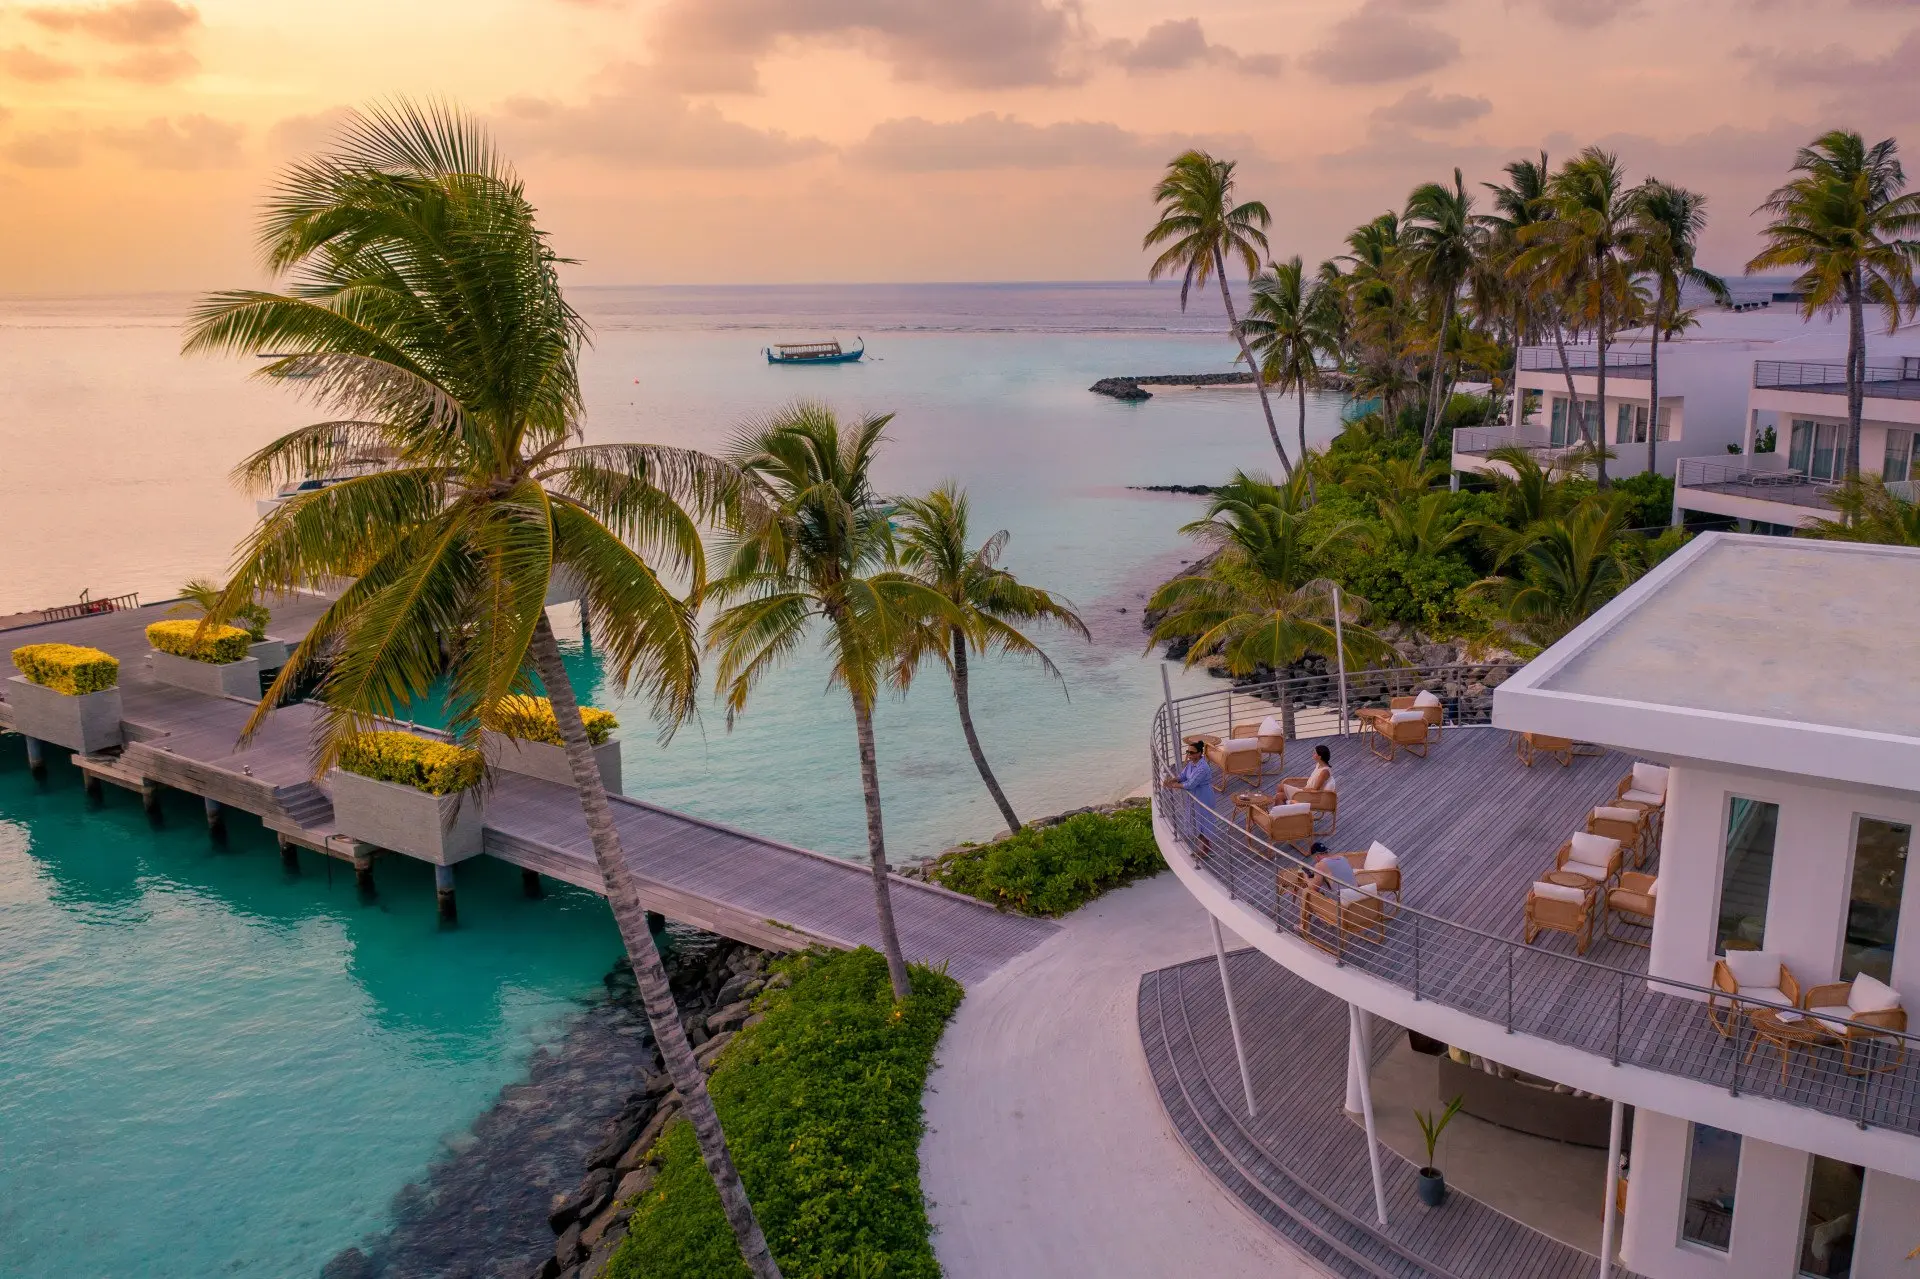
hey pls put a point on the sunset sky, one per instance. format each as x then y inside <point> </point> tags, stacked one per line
<point>672,141</point>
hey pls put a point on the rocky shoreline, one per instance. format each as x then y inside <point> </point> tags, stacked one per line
<point>1133,388</point>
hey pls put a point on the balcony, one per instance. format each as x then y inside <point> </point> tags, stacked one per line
<point>1894,381</point>
<point>1473,829</point>
<point>1758,486</point>
<point>1473,444</point>
<point>1584,361</point>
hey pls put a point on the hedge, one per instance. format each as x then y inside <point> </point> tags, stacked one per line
<point>530,719</point>
<point>406,759</point>
<point>68,668</point>
<point>1052,870</point>
<point>821,1105</point>
<point>220,644</point>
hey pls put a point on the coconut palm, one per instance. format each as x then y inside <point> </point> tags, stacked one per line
<point>202,596</point>
<point>1292,323</point>
<point>819,545</point>
<point>1567,568</point>
<point>1202,228</point>
<point>1846,222</point>
<point>1666,222</point>
<point>1440,242</point>
<point>1869,512</point>
<point>1427,525</point>
<point>423,309</point>
<point>1518,205</point>
<point>990,605</point>
<point>1396,479</point>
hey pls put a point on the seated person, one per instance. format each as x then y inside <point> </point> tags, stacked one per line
<point>1320,779</point>
<point>1335,872</point>
<point>1195,773</point>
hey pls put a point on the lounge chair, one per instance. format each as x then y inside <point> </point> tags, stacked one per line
<point>1597,857</point>
<point>1644,787</point>
<point>1346,911</point>
<point>1533,745</point>
<point>1324,802</point>
<point>1236,757</point>
<point>1631,905</point>
<point>1390,732</point>
<point>1743,976</point>
<point>1872,1014</point>
<point>1377,869</point>
<point>1559,908</point>
<point>1628,825</point>
<point>1284,825</point>
<point>1271,735</point>
<point>1427,704</point>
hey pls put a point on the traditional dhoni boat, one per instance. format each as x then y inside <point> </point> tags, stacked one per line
<point>814,353</point>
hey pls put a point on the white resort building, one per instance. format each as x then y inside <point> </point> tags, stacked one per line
<point>1639,905</point>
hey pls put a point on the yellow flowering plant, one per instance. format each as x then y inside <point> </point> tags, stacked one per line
<point>217,646</point>
<point>68,668</point>
<point>530,719</point>
<point>406,759</point>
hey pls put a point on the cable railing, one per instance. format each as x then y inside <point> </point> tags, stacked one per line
<point>1582,359</point>
<point>1622,1014</point>
<point>1896,381</point>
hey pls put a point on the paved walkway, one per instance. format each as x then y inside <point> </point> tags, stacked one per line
<point>1048,1153</point>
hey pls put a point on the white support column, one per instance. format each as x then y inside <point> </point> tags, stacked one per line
<point>1359,1031</point>
<point>1360,1061</point>
<point>1610,1209</point>
<point>1233,1014</point>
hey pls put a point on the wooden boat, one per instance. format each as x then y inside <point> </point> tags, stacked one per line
<point>814,353</point>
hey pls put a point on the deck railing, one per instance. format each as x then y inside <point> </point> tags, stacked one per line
<point>1895,381</point>
<point>1756,469</point>
<point>1618,1013</point>
<point>1581,359</point>
<point>88,607</point>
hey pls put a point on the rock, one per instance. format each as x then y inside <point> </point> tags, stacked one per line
<point>348,1263</point>
<point>754,1020</point>
<point>620,1135</point>
<point>697,1035</point>
<point>656,1085</point>
<point>568,1250</point>
<point>634,1184</point>
<point>584,1202</point>
<point>643,1144</point>
<point>728,1018</point>
<point>614,1216</point>
<point>1120,388</point>
<point>548,1269</point>
<point>597,1263</point>
<point>715,1046</point>
<point>736,987</point>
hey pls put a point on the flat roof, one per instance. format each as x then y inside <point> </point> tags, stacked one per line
<point>1748,650</point>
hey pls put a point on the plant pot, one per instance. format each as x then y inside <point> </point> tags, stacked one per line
<point>225,679</point>
<point>270,653</point>
<point>85,722</point>
<point>547,761</point>
<point>442,829</point>
<point>1431,1183</point>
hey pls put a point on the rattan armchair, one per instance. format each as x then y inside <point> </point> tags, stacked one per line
<point>1631,826</point>
<point>1745,979</point>
<point>1272,744</point>
<point>1533,745</point>
<point>1436,713</point>
<point>1630,904</point>
<point>1864,1028</point>
<point>1597,857</point>
<point>1348,912</point>
<point>1557,908</point>
<point>1284,825</point>
<point>1236,757</point>
<point>1383,881</point>
<point>1325,802</point>
<point>1388,733</point>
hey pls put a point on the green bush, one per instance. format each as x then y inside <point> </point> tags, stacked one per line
<point>821,1106</point>
<point>68,668</point>
<point>217,646</point>
<point>1056,869</point>
<point>438,768</point>
<point>1652,497</point>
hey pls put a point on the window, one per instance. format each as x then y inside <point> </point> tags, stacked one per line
<point>1747,874</point>
<point>1833,1209</point>
<point>1899,459</point>
<point>1623,425</point>
<point>1800,446</point>
<point>1666,423</point>
<point>1873,908</point>
<point>1713,1170</point>
<point>1559,429</point>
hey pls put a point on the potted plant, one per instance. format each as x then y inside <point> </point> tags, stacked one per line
<point>521,736</point>
<point>251,617</point>
<point>408,793</point>
<point>1429,1180</point>
<point>207,659</point>
<point>66,694</point>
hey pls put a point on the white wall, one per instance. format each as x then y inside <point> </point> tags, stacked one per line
<point>1889,1228</point>
<point>1769,1208</point>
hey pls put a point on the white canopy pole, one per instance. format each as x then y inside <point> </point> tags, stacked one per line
<point>1610,1209</point>
<point>1233,1015</point>
<point>1340,656</point>
<point>1362,1060</point>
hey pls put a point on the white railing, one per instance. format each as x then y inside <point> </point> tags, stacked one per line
<point>1757,468</point>
<point>1905,490</point>
<point>1485,439</point>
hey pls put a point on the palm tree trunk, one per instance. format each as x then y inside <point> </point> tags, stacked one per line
<point>1653,385</point>
<point>650,975</point>
<point>877,852</point>
<point>1312,493</point>
<point>1600,388</point>
<point>1566,371</point>
<point>1433,391</point>
<point>1856,370</point>
<point>973,739</point>
<point>1246,353</point>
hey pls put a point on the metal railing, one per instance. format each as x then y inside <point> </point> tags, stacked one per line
<point>1758,469</point>
<point>1581,359</point>
<point>1622,1014</point>
<point>87,607</point>
<point>1897,381</point>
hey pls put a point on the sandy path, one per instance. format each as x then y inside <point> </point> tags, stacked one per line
<point>1047,1152</point>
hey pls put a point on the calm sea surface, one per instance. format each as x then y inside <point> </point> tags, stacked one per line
<point>258,1064</point>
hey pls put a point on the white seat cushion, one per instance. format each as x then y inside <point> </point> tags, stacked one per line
<point>1771,994</point>
<point>1405,717</point>
<point>1650,778</point>
<point>1653,889</point>
<point>1645,797</point>
<point>1833,1018</point>
<point>1240,744</point>
<point>1559,893</point>
<point>1288,810</point>
<point>1607,813</point>
<point>1595,850</point>
<point>1595,873</point>
<point>1351,895</point>
<point>1271,727</point>
<point>1380,857</point>
<point>1425,698</point>
<point>1753,968</point>
<point>1871,995</point>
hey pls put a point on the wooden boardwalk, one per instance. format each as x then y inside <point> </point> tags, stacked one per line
<point>1301,1165</point>
<point>702,873</point>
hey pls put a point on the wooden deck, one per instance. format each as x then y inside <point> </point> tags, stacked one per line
<point>1301,1165</point>
<point>702,873</point>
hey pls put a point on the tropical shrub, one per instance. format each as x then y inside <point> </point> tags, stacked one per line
<point>1051,870</point>
<point>218,646</point>
<point>821,1104</point>
<point>68,668</point>
<point>530,719</point>
<point>1651,495</point>
<point>251,617</point>
<point>406,759</point>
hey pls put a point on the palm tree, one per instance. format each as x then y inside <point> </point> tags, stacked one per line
<point>1441,242</point>
<point>1532,496</point>
<point>204,597</point>
<point>989,603</point>
<point>1665,235</point>
<point>1202,227</point>
<point>1518,205</point>
<point>424,309</point>
<point>1869,512</point>
<point>1567,568</point>
<point>819,544</point>
<point>1845,221</point>
<point>1396,479</point>
<point>1427,525</point>
<point>1292,321</point>
<point>1579,251</point>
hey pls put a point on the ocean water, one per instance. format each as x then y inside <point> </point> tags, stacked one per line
<point>258,1064</point>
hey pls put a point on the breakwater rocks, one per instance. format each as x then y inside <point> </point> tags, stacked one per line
<point>1134,388</point>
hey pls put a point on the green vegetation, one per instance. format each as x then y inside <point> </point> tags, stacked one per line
<point>200,641</point>
<point>438,768</point>
<point>202,596</point>
<point>1052,870</point>
<point>1870,512</point>
<point>531,719</point>
<point>68,668</point>
<point>821,1103</point>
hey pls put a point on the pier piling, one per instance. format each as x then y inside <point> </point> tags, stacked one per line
<point>91,785</point>
<point>530,883</point>
<point>36,757</point>
<point>443,894</point>
<point>150,800</point>
<point>363,872</point>
<point>289,854</point>
<point>216,816</point>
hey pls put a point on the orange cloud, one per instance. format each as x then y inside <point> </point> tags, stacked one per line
<point>134,22</point>
<point>23,63</point>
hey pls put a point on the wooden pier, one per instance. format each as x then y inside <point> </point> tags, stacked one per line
<point>703,873</point>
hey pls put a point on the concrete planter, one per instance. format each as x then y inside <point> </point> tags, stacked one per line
<point>442,829</point>
<point>270,653</point>
<point>85,723</point>
<point>229,679</point>
<point>546,761</point>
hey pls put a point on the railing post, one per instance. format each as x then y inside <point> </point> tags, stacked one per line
<point>1416,959</point>
<point>1509,990</point>
<point>1619,1012</point>
<point>1173,716</point>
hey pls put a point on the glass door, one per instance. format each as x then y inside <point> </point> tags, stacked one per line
<point>1558,435</point>
<point>1828,454</point>
<point>1899,460</point>
<point>1873,906</point>
<point>1800,446</point>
